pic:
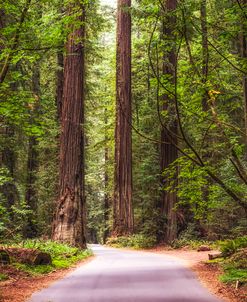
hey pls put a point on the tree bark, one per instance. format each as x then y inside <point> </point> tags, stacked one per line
<point>205,53</point>
<point>168,153</point>
<point>68,225</point>
<point>106,179</point>
<point>123,221</point>
<point>243,43</point>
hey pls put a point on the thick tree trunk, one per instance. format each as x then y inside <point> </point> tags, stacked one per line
<point>168,153</point>
<point>123,222</point>
<point>68,223</point>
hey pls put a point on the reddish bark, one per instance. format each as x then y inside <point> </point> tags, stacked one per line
<point>122,207</point>
<point>168,153</point>
<point>69,217</point>
<point>243,43</point>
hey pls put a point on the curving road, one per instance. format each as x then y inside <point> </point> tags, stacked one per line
<point>119,276</point>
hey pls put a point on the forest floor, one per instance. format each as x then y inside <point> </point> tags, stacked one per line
<point>207,273</point>
<point>21,286</point>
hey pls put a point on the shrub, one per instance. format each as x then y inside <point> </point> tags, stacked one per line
<point>229,247</point>
<point>137,241</point>
<point>192,244</point>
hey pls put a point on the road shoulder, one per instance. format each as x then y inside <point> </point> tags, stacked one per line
<point>20,287</point>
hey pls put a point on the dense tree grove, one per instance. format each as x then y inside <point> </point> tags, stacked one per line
<point>123,120</point>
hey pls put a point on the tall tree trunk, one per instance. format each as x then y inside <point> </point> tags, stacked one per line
<point>205,107</point>
<point>106,198</point>
<point>68,225</point>
<point>243,43</point>
<point>32,161</point>
<point>205,53</point>
<point>106,176</point>
<point>168,153</point>
<point>123,221</point>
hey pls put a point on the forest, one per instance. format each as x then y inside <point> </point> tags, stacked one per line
<point>123,124</point>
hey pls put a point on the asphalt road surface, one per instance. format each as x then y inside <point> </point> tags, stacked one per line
<point>125,276</point>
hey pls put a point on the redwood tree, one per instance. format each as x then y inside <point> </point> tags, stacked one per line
<point>68,225</point>
<point>168,152</point>
<point>122,205</point>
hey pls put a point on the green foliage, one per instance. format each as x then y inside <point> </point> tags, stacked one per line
<point>235,262</point>
<point>63,256</point>
<point>3,277</point>
<point>229,247</point>
<point>233,274</point>
<point>189,243</point>
<point>137,241</point>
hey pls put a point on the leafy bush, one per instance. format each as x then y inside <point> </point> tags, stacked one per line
<point>192,244</point>
<point>235,263</point>
<point>229,247</point>
<point>137,241</point>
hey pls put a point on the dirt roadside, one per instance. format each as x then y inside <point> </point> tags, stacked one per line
<point>20,286</point>
<point>207,273</point>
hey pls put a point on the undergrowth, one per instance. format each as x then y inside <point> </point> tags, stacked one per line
<point>233,274</point>
<point>137,241</point>
<point>190,243</point>
<point>63,256</point>
<point>3,277</point>
<point>231,246</point>
<point>234,261</point>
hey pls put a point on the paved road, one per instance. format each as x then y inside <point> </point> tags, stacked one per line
<point>119,276</point>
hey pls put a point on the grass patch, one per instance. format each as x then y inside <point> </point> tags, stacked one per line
<point>234,262</point>
<point>3,277</point>
<point>233,274</point>
<point>63,256</point>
